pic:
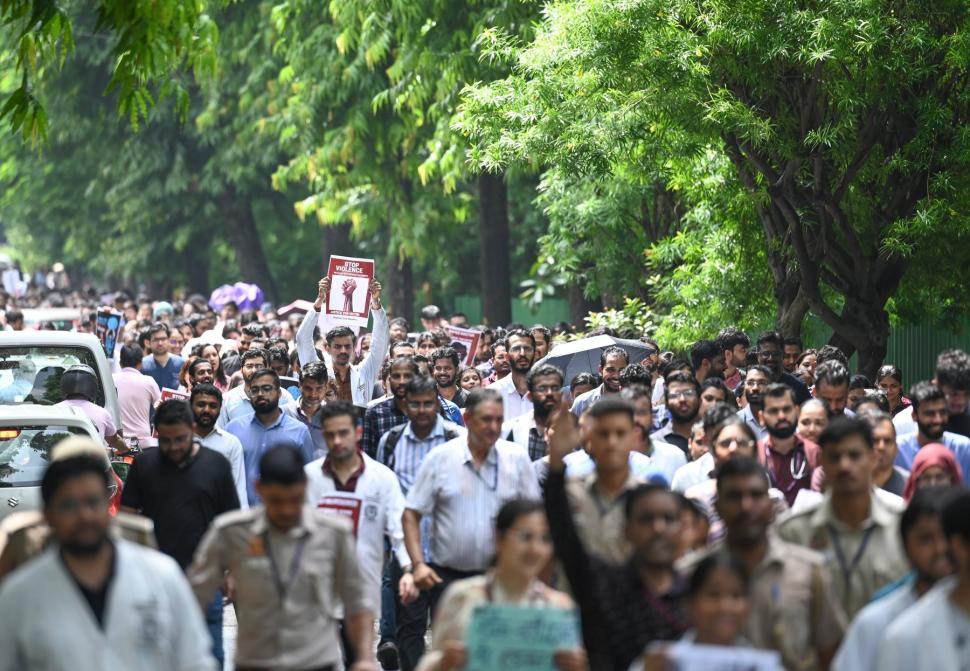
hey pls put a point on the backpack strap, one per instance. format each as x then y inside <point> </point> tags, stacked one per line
<point>393,438</point>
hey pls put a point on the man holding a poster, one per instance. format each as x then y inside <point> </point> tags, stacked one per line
<point>354,382</point>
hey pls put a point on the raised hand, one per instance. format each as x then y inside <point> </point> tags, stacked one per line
<point>562,434</point>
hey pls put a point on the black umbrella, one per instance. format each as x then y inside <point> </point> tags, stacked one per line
<point>583,356</point>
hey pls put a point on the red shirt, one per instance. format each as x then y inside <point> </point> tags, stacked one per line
<point>790,473</point>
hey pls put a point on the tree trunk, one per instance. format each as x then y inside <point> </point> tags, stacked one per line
<point>400,287</point>
<point>243,237</point>
<point>580,306</point>
<point>336,240</point>
<point>196,257</point>
<point>792,308</point>
<point>865,331</point>
<point>493,231</point>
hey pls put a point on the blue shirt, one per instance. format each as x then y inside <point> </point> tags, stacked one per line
<point>959,445</point>
<point>312,424</point>
<point>165,376</point>
<point>257,439</point>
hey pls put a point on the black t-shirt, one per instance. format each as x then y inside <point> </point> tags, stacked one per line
<point>959,424</point>
<point>97,598</point>
<point>802,393</point>
<point>182,502</point>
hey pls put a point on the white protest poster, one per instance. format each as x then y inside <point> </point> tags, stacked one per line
<point>349,300</point>
<point>686,656</point>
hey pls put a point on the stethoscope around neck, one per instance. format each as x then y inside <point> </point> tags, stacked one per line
<point>798,466</point>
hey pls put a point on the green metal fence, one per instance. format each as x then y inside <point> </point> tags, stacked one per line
<point>912,348</point>
<point>551,310</point>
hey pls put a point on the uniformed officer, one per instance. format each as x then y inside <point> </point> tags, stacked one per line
<point>794,609</point>
<point>292,568</point>
<point>856,528</point>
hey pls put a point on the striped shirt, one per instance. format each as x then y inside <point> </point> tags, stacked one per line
<point>462,501</point>
<point>409,452</point>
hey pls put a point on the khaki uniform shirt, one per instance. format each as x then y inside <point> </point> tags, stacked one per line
<point>861,561</point>
<point>289,586</point>
<point>794,609</point>
<point>600,520</point>
<point>25,535</point>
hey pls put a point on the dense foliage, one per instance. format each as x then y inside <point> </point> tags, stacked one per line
<point>741,161</point>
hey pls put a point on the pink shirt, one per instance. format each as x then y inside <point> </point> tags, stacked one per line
<point>100,417</point>
<point>137,393</point>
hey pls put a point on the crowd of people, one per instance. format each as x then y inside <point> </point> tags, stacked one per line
<point>330,484</point>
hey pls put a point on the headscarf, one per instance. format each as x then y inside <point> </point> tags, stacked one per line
<point>934,454</point>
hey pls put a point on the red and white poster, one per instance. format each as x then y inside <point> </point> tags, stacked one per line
<point>342,507</point>
<point>350,279</point>
<point>465,341</point>
<point>169,394</point>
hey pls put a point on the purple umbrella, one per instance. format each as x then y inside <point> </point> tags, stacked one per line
<point>246,296</point>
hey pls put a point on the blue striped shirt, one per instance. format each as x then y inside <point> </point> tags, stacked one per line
<point>409,453</point>
<point>462,501</point>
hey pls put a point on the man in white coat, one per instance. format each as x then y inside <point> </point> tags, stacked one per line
<point>90,602</point>
<point>935,632</point>
<point>349,483</point>
<point>354,382</point>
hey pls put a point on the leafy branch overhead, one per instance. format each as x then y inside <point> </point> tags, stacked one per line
<point>152,44</point>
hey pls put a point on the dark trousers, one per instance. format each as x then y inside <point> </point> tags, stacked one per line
<point>213,620</point>
<point>389,598</point>
<point>412,619</point>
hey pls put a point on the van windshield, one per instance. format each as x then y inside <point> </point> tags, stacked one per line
<point>32,374</point>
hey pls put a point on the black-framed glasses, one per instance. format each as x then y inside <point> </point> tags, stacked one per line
<point>770,354</point>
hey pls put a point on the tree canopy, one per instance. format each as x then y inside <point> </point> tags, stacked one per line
<point>723,161</point>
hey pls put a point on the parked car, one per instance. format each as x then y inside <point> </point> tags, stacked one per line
<point>32,363</point>
<point>28,432</point>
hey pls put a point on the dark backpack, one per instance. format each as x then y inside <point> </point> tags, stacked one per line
<point>394,437</point>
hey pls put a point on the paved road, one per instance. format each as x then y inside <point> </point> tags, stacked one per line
<point>229,634</point>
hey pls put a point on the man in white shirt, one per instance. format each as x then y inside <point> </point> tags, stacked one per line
<point>514,387</point>
<point>354,382</point>
<point>206,402</point>
<point>666,458</point>
<point>350,484</point>
<point>924,542</point>
<point>95,603</point>
<point>935,632</point>
<point>460,486</point>
<point>236,402</point>
<point>545,392</point>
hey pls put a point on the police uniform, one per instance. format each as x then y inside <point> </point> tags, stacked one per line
<point>794,609</point>
<point>289,585</point>
<point>861,561</point>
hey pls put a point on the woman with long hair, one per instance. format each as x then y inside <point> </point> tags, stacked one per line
<point>211,354</point>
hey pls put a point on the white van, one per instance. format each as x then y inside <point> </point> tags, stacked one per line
<point>32,362</point>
